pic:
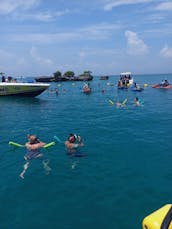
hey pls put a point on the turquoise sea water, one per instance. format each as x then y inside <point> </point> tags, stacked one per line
<point>126,175</point>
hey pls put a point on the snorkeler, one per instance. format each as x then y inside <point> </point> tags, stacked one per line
<point>33,145</point>
<point>73,143</point>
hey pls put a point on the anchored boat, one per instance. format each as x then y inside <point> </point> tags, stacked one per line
<point>22,89</point>
<point>125,81</point>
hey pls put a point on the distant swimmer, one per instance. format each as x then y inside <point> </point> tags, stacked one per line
<point>33,151</point>
<point>137,102</point>
<point>119,104</point>
<point>72,144</point>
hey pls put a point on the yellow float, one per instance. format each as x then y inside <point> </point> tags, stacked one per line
<point>124,102</point>
<point>160,219</point>
<point>111,102</point>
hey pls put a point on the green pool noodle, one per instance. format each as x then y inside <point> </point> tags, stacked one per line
<point>15,144</point>
<point>49,144</point>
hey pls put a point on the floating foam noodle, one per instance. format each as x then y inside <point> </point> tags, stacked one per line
<point>57,139</point>
<point>49,144</point>
<point>19,145</point>
<point>111,102</point>
<point>124,102</point>
<point>15,144</point>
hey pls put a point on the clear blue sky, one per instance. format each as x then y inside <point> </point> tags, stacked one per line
<point>39,37</point>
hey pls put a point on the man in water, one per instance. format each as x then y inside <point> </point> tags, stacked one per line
<point>72,144</point>
<point>33,145</point>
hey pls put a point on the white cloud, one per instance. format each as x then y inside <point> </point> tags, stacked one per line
<point>4,55</point>
<point>136,46</point>
<point>38,58</point>
<point>116,3</point>
<point>41,16</point>
<point>165,6</point>
<point>98,52</point>
<point>9,62</point>
<point>99,31</point>
<point>95,32</point>
<point>46,38</point>
<point>166,51</point>
<point>9,6</point>
<point>154,18</point>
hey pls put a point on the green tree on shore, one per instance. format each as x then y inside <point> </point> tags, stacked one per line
<point>57,75</point>
<point>69,74</point>
<point>86,73</point>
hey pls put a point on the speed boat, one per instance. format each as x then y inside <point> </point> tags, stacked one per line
<point>22,89</point>
<point>125,81</point>
<point>127,76</point>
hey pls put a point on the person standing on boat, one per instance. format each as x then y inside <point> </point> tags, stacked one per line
<point>33,151</point>
<point>3,78</point>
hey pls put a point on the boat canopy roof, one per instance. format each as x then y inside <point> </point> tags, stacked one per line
<point>125,74</point>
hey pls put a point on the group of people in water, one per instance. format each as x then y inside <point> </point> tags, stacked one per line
<point>33,146</point>
<point>136,102</point>
<point>73,142</point>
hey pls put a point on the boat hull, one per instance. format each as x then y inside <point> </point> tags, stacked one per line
<point>22,89</point>
<point>159,86</point>
<point>104,77</point>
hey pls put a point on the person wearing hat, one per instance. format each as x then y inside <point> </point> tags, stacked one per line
<point>33,145</point>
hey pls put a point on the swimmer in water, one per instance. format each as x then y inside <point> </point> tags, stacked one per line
<point>136,101</point>
<point>33,151</point>
<point>119,104</point>
<point>72,144</point>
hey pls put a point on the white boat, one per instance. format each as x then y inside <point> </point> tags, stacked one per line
<point>22,89</point>
<point>127,75</point>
